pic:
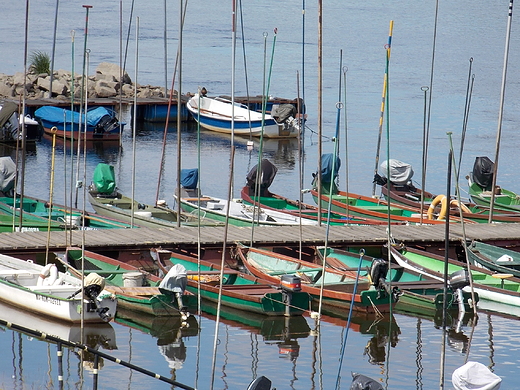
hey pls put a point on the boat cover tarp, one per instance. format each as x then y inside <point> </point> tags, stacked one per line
<point>266,176</point>
<point>400,172</point>
<point>283,112</point>
<point>6,111</point>
<point>175,280</point>
<point>7,174</point>
<point>327,162</point>
<point>483,172</point>
<point>60,115</point>
<point>475,376</point>
<point>189,178</point>
<point>362,382</point>
<point>104,179</point>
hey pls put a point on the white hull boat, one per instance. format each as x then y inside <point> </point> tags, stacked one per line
<point>45,291</point>
<point>220,115</point>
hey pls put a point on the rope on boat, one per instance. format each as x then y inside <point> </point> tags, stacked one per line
<point>376,310</point>
<point>309,311</point>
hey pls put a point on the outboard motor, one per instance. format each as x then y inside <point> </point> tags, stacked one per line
<point>483,169</point>
<point>457,281</point>
<point>378,272</point>
<point>175,283</point>
<point>93,285</point>
<point>289,284</point>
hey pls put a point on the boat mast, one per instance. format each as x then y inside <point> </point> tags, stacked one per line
<point>22,175</point>
<point>179,122</point>
<point>84,85</point>
<point>320,99</point>
<point>134,122</point>
<point>383,99</point>
<point>53,46</point>
<point>501,111</point>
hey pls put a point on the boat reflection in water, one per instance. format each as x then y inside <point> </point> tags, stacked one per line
<point>95,336</point>
<point>108,150</point>
<point>169,332</point>
<point>276,330</point>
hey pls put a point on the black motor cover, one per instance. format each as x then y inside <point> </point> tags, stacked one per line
<point>459,279</point>
<point>483,172</point>
<point>378,271</point>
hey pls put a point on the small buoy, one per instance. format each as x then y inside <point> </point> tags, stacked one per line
<point>250,145</point>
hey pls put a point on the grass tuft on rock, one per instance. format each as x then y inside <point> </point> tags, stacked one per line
<point>40,62</point>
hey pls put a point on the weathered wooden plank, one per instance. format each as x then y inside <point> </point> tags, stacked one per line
<point>214,236</point>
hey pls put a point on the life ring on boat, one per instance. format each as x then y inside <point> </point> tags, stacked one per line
<point>48,275</point>
<point>435,202</point>
<point>463,207</point>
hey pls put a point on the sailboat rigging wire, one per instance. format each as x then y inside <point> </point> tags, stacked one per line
<point>501,111</point>
<point>222,266</point>
<point>344,343</point>
<point>388,48</point>
<point>469,89</point>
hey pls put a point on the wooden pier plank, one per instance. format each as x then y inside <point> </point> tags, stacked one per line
<point>214,236</point>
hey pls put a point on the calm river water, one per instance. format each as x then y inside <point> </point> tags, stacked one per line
<point>411,357</point>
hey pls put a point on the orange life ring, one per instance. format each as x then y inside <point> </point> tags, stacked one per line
<point>463,207</point>
<point>444,207</point>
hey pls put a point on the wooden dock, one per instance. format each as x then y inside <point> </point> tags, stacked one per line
<point>188,237</point>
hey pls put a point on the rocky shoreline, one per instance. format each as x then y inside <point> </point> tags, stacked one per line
<point>105,83</point>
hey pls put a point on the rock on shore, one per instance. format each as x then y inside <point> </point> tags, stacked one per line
<point>105,83</point>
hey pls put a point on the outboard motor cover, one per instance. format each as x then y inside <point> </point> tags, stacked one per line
<point>378,271</point>
<point>291,283</point>
<point>175,280</point>
<point>266,176</point>
<point>483,172</point>
<point>459,279</point>
<point>400,173</point>
<point>283,112</point>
